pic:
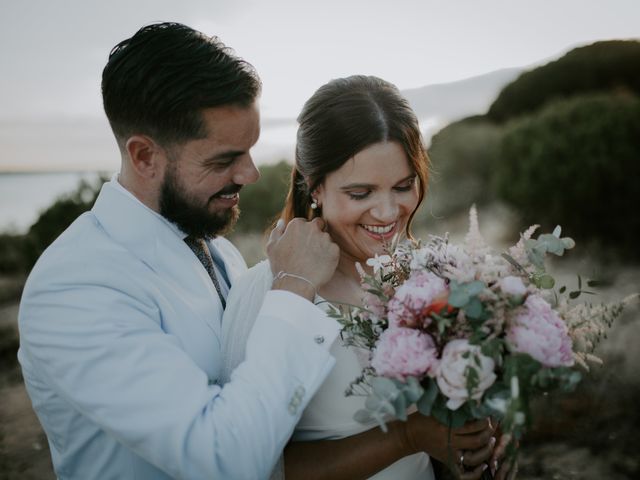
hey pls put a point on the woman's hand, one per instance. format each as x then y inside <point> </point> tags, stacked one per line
<point>466,450</point>
<point>503,470</point>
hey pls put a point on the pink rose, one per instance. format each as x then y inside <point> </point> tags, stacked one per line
<point>537,330</point>
<point>409,307</point>
<point>402,352</point>
<point>458,357</point>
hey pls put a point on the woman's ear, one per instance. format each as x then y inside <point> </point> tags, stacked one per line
<point>317,195</point>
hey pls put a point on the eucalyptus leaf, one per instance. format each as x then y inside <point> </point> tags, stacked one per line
<point>551,244</point>
<point>536,255</point>
<point>459,417</point>
<point>557,231</point>
<point>363,416</point>
<point>547,282</point>
<point>426,401</point>
<point>400,408</point>
<point>413,390</point>
<point>384,388</point>
<point>458,298</point>
<point>474,309</point>
<point>569,243</point>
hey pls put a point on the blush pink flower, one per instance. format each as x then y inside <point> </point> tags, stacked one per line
<point>416,298</point>
<point>458,357</point>
<point>537,330</point>
<point>403,352</point>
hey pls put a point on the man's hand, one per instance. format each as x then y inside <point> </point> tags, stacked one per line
<point>472,443</point>
<point>302,249</point>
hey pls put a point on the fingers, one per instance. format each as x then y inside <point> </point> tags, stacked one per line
<point>473,441</point>
<point>277,231</point>
<point>472,458</point>
<point>507,471</point>
<point>474,474</point>
<point>500,450</point>
<point>474,427</point>
<point>320,223</point>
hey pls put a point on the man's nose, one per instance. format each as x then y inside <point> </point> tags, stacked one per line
<point>246,172</point>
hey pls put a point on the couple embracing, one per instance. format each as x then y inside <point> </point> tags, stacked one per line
<point>148,349</point>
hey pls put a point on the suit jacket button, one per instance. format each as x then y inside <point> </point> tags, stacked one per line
<point>319,339</point>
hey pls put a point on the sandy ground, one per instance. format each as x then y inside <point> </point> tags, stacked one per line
<point>591,434</point>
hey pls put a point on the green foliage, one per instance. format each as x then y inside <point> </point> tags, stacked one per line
<point>461,156</point>
<point>56,218</point>
<point>18,253</point>
<point>12,254</point>
<point>602,66</point>
<point>576,162</point>
<point>261,202</point>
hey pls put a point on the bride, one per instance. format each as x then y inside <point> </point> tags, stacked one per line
<point>361,166</point>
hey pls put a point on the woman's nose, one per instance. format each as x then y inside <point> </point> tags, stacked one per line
<point>386,210</point>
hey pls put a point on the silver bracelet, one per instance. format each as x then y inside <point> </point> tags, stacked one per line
<point>281,274</point>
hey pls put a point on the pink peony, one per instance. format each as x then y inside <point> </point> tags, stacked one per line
<point>402,352</point>
<point>409,307</point>
<point>537,330</point>
<point>457,357</point>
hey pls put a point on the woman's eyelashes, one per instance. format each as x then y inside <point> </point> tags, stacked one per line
<point>404,187</point>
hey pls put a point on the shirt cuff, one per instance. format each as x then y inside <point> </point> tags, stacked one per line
<point>301,314</point>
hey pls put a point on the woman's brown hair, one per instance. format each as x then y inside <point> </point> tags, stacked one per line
<point>342,118</point>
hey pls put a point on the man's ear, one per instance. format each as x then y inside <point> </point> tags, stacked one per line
<point>146,156</point>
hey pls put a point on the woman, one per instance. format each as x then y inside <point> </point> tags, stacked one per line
<point>361,166</point>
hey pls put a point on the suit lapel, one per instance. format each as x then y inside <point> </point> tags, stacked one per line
<point>151,239</point>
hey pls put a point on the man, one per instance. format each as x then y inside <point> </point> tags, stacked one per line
<point>120,317</point>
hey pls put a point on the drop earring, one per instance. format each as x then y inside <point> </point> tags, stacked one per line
<point>314,204</point>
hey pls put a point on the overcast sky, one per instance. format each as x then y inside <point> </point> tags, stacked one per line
<point>52,52</point>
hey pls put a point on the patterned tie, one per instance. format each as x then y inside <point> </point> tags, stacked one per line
<point>199,247</point>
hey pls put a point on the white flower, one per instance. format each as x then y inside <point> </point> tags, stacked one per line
<point>513,286</point>
<point>379,262</point>
<point>457,358</point>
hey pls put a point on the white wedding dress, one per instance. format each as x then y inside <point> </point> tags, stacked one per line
<point>329,415</point>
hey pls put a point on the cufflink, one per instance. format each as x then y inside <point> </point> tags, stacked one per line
<point>319,339</point>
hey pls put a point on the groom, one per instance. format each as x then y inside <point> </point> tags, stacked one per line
<point>120,318</point>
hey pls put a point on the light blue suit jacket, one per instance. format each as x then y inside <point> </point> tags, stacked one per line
<point>121,349</point>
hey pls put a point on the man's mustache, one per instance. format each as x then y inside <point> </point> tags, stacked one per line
<point>228,190</point>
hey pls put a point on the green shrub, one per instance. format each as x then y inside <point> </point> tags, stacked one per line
<point>260,202</point>
<point>603,66</point>
<point>577,163</point>
<point>56,218</point>
<point>461,157</point>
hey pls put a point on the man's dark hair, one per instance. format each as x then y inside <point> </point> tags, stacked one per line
<point>158,82</point>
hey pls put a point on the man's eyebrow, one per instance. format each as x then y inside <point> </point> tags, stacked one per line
<point>227,155</point>
<point>370,185</point>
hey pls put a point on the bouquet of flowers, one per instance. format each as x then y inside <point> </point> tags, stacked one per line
<point>462,332</point>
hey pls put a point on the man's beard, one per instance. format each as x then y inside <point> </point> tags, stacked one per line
<point>191,216</point>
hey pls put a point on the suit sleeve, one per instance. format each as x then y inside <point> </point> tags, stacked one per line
<point>99,343</point>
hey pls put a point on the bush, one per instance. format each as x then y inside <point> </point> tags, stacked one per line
<point>577,163</point>
<point>260,202</point>
<point>461,157</point>
<point>56,218</point>
<point>603,66</point>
